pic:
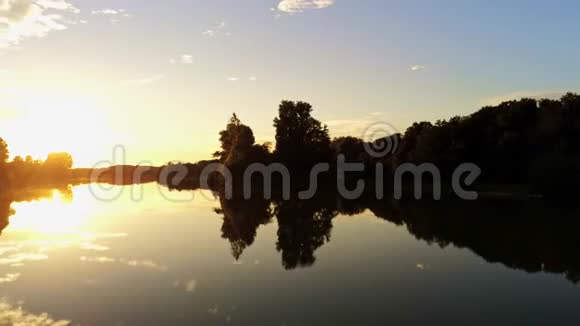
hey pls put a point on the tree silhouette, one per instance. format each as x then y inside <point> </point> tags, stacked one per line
<point>238,145</point>
<point>59,161</point>
<point>301,140</point>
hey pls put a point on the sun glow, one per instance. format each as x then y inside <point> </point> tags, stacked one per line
<point>48,123</point>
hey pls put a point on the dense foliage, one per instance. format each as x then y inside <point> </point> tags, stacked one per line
<point>524,142</point>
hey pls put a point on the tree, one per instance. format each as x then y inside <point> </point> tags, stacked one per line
<point>238,145</point>
<point>352,148</point>
<point>301,140</point>
<point>4,153</point>
<point>61,161</point>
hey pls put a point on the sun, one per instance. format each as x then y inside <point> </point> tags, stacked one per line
<point>48,123</point>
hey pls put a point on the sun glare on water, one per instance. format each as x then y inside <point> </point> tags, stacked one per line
<point>52,215</point>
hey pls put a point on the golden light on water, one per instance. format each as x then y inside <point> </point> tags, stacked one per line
<point>58,214</point>
<point>81,209</point>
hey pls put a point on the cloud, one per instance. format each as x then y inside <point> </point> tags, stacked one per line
<point>213,310</point>
<point>417,67</point>
<point>107,235</point>
<point>297,6</point>
<point>108,12</point>
<point>220,28</point>
<point>58,5</point>
<point>537,95</point>
<point>236,79</point>
<point>142,81</point>
<point>93,246</point>
<point>9,278</point>
<point>144,264</point>
<point>190,286</point>
<point>209,33</point>
<point>20,19</point>
<point>16,315</point>
<point>187,286</point>
<point>112,12</point>
<point>101,260</point>
<point>20,258</point>
<point>148,264</point>
<point>360,128</point>
<point>347,127</point>
<point>422,267</point>
<point>186,59</point>
<point>114,15</point>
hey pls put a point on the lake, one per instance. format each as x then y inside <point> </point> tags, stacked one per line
<point>150,257</point>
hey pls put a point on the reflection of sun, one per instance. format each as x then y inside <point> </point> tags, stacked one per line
<point>53,124</point>
<point>55,215</point>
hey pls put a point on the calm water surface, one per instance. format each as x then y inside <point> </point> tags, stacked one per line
<point>72,258</point>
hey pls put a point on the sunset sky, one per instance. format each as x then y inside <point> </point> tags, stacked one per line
<point>162,77</point>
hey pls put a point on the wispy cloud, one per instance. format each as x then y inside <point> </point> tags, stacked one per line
<point>20,19</point>
<point>58,5</point>
<point>186,59</point>
<point>101,260</point>
<point>20,258</point>
<point>236,79</point>
<point>220,29</point>
<point>297,6</point>
<point>114,15</point>
<point>372,124</point>
<point>422,267</point>
<point>147,264</point>
<point>9,278</point>
<point>107,12</point>
<point>91,246</point>
<point>417,67</point>
<point>348,127</point>
<point>144,264</point>
<point>142,81</point>
<point>188,286</point>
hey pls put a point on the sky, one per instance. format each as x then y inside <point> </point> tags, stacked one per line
<point>161,78</point>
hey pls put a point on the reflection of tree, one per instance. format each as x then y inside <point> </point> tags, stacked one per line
<point>241,219</point>
<point>521,235</point>
<point>516,234</point>
<point>303,227</point>
<point>5,212</point>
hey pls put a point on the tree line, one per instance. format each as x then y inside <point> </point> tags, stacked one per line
<point>21,172</point>
<point>531,143</point>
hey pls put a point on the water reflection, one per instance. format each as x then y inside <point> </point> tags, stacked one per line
<point>172,261</point>
<point>27,195</point>
<point>14,314</point>
<point>526,235</point>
